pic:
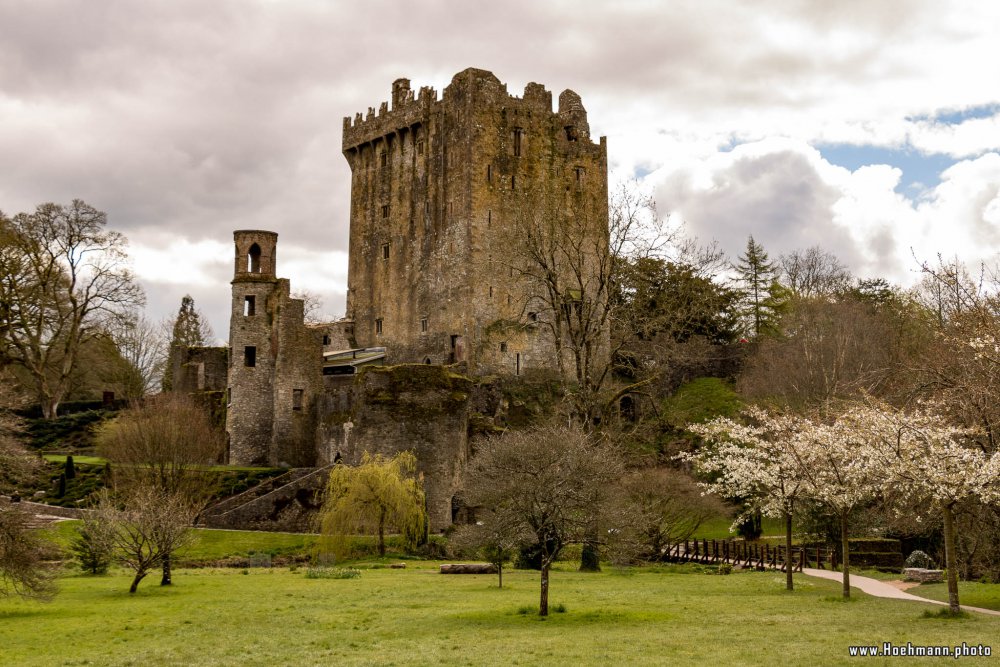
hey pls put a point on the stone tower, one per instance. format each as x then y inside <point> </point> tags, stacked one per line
<point>435,182</point>
<point>275,363</point>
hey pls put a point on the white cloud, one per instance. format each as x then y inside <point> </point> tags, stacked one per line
<point>191,119</point>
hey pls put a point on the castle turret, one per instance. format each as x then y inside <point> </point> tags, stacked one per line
<point>275,362</point>
<point>250,415</point>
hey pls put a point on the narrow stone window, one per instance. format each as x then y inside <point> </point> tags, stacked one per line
<point>489,217</point>
<point>385,251</point>
<point>427,207</point>
<point>253,259</point>
<point>296,399</point>
<point>517,364</point>
<point>423,325</point>
<point>503,346</point>
<point>249,306</point>
<point>250,356</point>
<point>508,299</point>
<point>491,291</point>
<point>580,173</point>
<point>513,182</point>
<point>384,158</point>
<point>385,210</point>
<point>489,173</point>
<point>532,317</point>
<point>420,147</point>
<point>378,327</point>
<point>326,339</point>
<point>518,141</point>
<point>427,361</point>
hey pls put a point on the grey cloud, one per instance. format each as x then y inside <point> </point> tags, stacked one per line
<point>202,117</point>
<point>777,198</point>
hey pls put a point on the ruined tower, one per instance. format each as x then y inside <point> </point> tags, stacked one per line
<point>435,184</point>
<point>275,363</point>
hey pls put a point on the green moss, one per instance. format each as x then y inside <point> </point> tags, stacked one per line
<point>410,389</point>
<point>700,400</point>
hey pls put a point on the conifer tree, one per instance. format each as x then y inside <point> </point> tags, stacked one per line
<point>189,330</point>
<point>763,297</point>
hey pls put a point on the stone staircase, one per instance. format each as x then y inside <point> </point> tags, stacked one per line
<point>288,502</point>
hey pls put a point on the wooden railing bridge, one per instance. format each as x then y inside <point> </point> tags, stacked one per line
<point>751,554</point>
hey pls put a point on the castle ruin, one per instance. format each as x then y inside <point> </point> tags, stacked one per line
<point>436,187</point>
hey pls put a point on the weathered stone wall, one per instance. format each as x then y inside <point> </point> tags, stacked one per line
<point>433,182</point>
<point>420,408</point>
<point>298,384</point>
<point>275,365</point>
<point>197,369</point>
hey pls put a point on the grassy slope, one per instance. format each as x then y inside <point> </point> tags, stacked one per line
<point>416,616</point>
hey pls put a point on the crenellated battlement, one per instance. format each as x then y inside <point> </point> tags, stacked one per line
<point>405,112</point>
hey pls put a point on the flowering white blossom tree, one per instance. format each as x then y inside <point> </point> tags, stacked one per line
<point>835,463</point>
<point>754,463</point>
<point>926,459</point>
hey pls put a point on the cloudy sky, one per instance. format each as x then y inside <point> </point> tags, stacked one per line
<point>870,127</point>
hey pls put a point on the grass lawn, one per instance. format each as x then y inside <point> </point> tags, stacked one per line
<point>651,616</point>
<point>970,593</point>
<point>209,544</point>
<point>77,459</point>
<point>718,528</point>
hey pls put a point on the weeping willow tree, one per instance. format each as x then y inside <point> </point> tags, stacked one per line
<point>380,495</point>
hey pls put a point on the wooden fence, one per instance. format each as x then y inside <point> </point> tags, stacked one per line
<point>751,554</point>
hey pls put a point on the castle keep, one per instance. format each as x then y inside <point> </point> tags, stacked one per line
<point>437,186</point>
<point>439,189</point>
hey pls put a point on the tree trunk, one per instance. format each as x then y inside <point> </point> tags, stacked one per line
<point>590,557</point>
<point>788,551</point>
<point>139,576</point>
<point>500,574</point>
<point>846,549</point>
<point>166,580</point>
<point>949,559</point>
<point>381,533</point>
<point>543,602</point>
<point>50,407</point>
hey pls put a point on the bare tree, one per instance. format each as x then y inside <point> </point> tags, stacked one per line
<point>144,525</point>
<point>165,444</point>
<point>549,485</point>
<point>16,463</point>
<point>666,507</point>
<point>61,275</point>
<point>830,350</point>
<point>492,537</point>
<point>812,273</point>
<point>142,346</point>
<point>23,553</point>
<point>312,307</point>
<point>577,272</point>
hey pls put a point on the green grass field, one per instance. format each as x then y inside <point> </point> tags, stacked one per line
<point>649,616</point>
<point>970,593</point>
